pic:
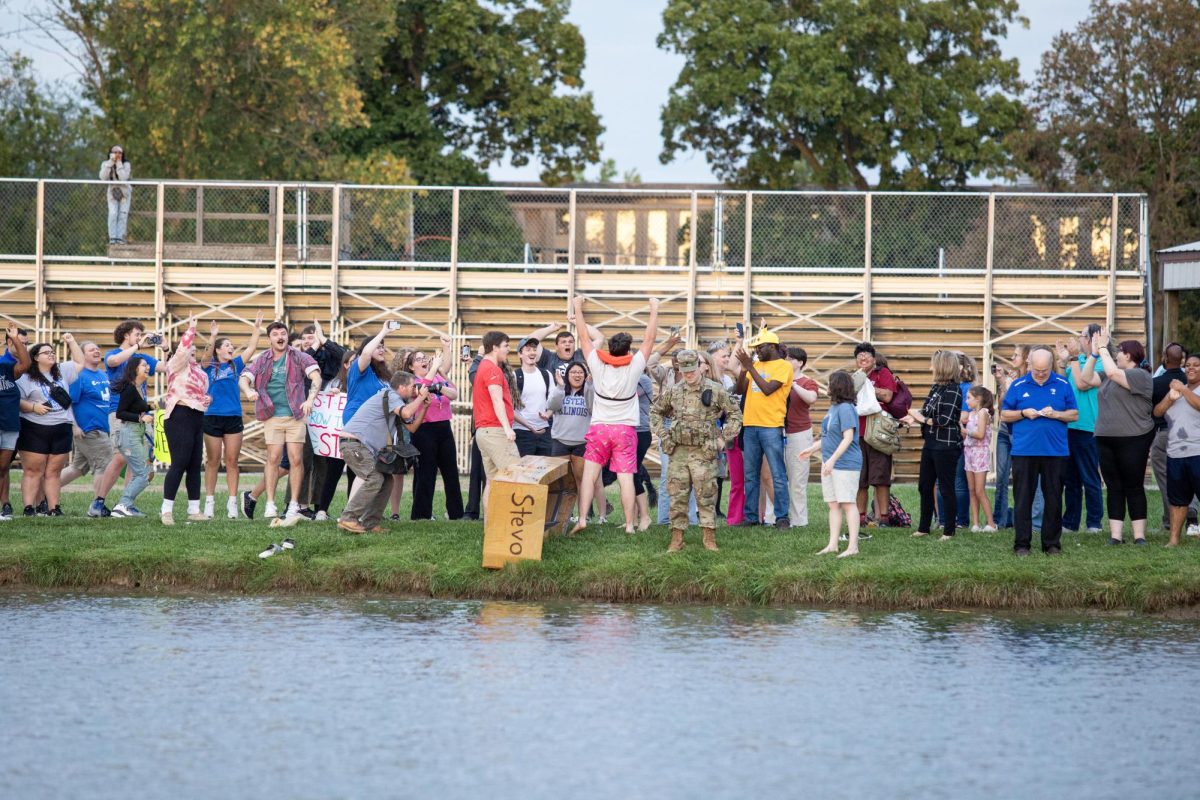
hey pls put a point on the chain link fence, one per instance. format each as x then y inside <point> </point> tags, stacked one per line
<point>529,228</point>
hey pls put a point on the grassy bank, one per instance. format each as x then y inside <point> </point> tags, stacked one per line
<point>755,566</point>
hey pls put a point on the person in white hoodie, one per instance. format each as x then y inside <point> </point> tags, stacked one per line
<point>116,170</point>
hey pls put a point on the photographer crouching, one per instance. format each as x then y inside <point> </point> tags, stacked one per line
<point>369,447</point>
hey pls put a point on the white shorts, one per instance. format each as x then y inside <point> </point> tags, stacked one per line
<point>841,486</point>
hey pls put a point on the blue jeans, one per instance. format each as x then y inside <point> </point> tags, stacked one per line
<point>664,497</point>
<point>1081,481</point>
<point>1001,510</point>
<point>131,442</point>
<point>767,442</point>
<point>118,215</point>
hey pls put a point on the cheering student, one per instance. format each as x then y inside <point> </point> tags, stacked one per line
<point>183,423</point>
<point>275,381</point>
<point>223,424</point>
<point>14,363</point>
<point>46,422</point>
<point>492,410</point>
<point>433,437</point>
<point>90,404</point>
<point>765,384</point>
<point>135,413</point>
<point>612,437</point>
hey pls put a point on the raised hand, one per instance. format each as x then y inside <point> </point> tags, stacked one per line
<point>1100,339</point>
<point>213,328</point>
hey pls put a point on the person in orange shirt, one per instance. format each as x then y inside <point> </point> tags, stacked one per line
<point>765,385</point>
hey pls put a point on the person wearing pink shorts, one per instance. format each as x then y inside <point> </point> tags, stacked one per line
<point>612,446</point>
<point>612,437</point>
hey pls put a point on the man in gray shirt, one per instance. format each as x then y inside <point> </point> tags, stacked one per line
<point>368,432</point>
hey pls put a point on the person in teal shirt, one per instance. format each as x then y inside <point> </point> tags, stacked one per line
<point>1081,478</point>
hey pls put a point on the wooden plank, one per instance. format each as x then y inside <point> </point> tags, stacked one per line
<point>39,257</point>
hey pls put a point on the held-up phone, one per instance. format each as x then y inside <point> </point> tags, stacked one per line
<point>674,330</point>
<point>393,324</point>
<point>465,352</point>
<point>741,330</point>
<point>152,339</point>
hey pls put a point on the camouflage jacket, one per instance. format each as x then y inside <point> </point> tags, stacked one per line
<point>693,422</point>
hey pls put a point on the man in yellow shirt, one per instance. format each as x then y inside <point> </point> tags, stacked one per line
<point>765,385</point>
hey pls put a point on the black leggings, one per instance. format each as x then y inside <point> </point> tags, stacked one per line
<point>1123,466</point>
<point>330,470</point>
<point>185,440</point>
<point>938,466</point>
<point>435,440</point>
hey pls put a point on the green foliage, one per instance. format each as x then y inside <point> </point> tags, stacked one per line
<point>462,84</point>
<point>1115,107</point>
<point>778,93</point>
<point>225,89</point>
<point>442,559</point>
<point>44,133</point>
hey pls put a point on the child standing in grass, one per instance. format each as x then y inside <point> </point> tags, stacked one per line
<point>841,462</point>
<point>977,455</point>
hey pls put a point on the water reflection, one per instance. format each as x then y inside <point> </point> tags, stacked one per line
<point>312,697</point>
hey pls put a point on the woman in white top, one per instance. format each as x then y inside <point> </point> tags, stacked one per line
<point>117,170</point>
<point>46,425</point>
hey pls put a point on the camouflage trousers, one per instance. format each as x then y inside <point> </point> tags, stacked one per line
<point>692,468</point>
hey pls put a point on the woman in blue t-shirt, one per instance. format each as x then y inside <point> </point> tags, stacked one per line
<point>368,372</point>
<point>841,462</point>
<point>223,420</point>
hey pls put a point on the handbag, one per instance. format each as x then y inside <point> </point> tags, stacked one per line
<point>395,457</point>
<point>60,396</point>
<point>118,194</point>
<point>883,433</point>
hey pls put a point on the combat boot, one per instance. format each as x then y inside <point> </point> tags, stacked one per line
<point>676,541</point>
<point>710,538</point>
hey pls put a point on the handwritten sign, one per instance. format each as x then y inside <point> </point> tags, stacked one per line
<point>325,424</point>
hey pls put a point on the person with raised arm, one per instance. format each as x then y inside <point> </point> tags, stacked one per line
<point>223,424</point>
<point>612,438</point>
<point>46,426</point>
<point>14,363</point>
<point>434,437</point>
<point>186,401</point>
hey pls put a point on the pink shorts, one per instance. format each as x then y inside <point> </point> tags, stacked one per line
<point>614,446</point>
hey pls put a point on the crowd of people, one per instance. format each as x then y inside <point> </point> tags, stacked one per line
<point>1067,426</point>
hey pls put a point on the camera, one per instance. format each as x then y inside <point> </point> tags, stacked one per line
<point>393,324</point>
<point>152,339</point>
<point>436,388</point>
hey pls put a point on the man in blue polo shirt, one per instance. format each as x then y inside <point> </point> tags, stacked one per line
<point>1039,405</point>
<point>90,402</point>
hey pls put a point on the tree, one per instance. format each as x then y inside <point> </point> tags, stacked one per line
<point>461,84</point>
<point>223,89</point>
<point>1115,105</point>
<point>44,133</point>
<point>779,93</point>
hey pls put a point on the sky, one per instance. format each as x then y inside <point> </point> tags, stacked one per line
<point>628,75</point>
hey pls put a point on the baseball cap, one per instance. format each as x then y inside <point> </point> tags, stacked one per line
<point>687,361</point>
<point>528,340</point>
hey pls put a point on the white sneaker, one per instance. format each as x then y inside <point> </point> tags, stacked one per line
<point>293,513</point>
<point>271,510</point>
<point>231,508</point>
<point>988,529</point>
<point>321,517</point>
<point>208,507</point>
<point>1193,530</point>
<point>975,529</point>
<point>270,550</point>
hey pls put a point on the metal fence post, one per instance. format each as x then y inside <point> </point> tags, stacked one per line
<point>691,298</point>
<point>160,289</point>
<point>988,378</point>
<point>454,224</point>
<point>748,279</point>
<point>39,277</point>
<point>335,255</point>
<point>866,309</point>
<point>200,215</point>
<point>1114,247</point>
<point>571,231</point>
<point>279,221</point>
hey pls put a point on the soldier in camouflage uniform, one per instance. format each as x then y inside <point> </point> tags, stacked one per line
<point>694,405</point>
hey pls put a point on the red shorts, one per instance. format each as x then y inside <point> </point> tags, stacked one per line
<point>614,446</point>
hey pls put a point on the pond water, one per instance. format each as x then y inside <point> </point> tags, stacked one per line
<point>261,697</point>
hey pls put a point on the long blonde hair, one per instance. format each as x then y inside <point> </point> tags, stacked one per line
<point>945,366</point>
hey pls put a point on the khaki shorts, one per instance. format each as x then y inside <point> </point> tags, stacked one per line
<point>497,451</point>
<point>93,452</point>
<point>284,430</point>
<point>840,487</point>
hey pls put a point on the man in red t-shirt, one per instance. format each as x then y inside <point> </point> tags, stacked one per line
<point>797,426</point>
<point>492,407</point>
<point>876,466</point>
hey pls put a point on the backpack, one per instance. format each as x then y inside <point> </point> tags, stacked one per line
<point>545,378</point>
<point>901,400</point>
<point>897,517</point>
<point>883,433</point>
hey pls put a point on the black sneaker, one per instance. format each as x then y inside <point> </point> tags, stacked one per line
<point>43,508</point>
<point>308,513</point>
<point>248,504</point>
<point>1021,552</point>
<point>1054,550</point>
<point>55,512</point>
<point>395,517</point>
<point>6,511</point>
<point>782,524</point>
<point>652,495</point>
<point>29,512</point>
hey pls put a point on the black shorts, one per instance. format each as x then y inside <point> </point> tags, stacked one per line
<point>559,449</point>
<point>46,440</point>
<point>1183,480</point>
<point>220,425</point>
